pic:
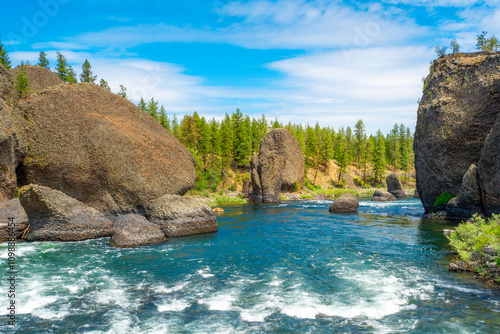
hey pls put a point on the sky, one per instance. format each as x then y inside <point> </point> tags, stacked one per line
<point>301,61</point>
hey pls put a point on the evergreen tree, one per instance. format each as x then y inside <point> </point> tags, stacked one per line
<point>123,92</point>
<point>64,70</point>
<point>242,142</point>
<point>378,156</point>
<point>189,132</point>
<point>142,104</point>
<point>87,75</point>
<point>22,83</point>
<point>311,151</point>
<point>104,84</point>
<point>203,139</point>
<point>4,57</point>
<point>393,147</point>
<point>255,135</point>
<point>175,127</point>
<point>366,149</point>
<point>342,160</point>
<point>326,146</point>
<point>152,108</point>
<point>226,130</point>
<point>163,119</point>
<point>359,136</point>
<point>43,61</point>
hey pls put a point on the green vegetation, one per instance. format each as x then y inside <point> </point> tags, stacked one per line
<point>123,92</point>
<point>86,75</point>
<point>487,44</point>
<point>22,83</point>
<point>335,192</point>
<point>4,57</point>
<point>104,84</point>
<point>306,196</point>
<point>222,200</point>
<point>443,199</point>
<point>43,61</point>
<point>64,70</point>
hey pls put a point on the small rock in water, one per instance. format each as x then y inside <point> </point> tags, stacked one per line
<point>447,231</point>
<point>219,210</point>
<point>347,203</point>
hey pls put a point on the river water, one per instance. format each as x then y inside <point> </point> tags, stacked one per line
<point>272,268</point>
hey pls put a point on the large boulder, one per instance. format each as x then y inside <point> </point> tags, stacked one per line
<point>394,186</point>
<point>54,216</point>
<point>489,170</point>
<point>8,153</point>
<point>19,219</point>
<point>458,109</point>
<point>347,203</point>
<point>6,86</point>
<point>181,216</point>
<point>383,196</point>
<point>469,200</point>
<point>134,230</point>
<point>278,167</point>
<point>100,149</point>
<point>40,78</point>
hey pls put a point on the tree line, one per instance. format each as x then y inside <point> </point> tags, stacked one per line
<point>236,138</point>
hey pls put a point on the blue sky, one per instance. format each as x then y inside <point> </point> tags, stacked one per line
<point>301,61</point>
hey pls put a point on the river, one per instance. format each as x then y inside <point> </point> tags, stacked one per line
<point>272,268</point>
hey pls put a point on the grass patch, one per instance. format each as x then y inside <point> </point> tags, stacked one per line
<point>225,200</point>
<point>335,192</point>
<point>306,196</point>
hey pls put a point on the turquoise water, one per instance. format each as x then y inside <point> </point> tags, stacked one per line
<point>271,268</point>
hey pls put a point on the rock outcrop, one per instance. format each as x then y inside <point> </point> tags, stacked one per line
<point>180,216</point>
<point>278,167</point>
<point>455,128</point>
<point>100,149</point>
<point>40,78</point>
<point>9,155</point>
<point>54,216</point>
<point>394,186</point>
<point>12,209</point>
<point>134,230</point>
<point>469,201</point>
<point>347,203</point>
<point>383,196</point>
<point>489,170</point>
<point>6,86</point>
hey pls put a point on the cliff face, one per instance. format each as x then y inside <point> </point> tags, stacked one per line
<point>458,110</point>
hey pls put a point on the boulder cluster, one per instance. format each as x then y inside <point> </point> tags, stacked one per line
<point>90,164</point>
<point>457,139</point>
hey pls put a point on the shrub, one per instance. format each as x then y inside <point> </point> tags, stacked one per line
<point>296,187</point>
<point>225,200</point>
<point>232,187</point>
<point>472,237</point>
<point>443,199</point>
<point>305,196</point>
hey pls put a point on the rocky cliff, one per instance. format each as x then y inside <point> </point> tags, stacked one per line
<point>458,127</point>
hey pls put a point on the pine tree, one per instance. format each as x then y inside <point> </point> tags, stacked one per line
<point>123,92</point>
<point>393,147</point>
<point>163,119</point>
<point>378,156</point>
<point>359,135</point>
<point>86,75</point>
<point>326,146</point>
<point>226,131</point>
<point>43,61</point>
<point>189,132</point>
<point>244,150</point>
<point>142,104</point>
<point>64,70</point>
<point>104,84</point>
<point>342,159</point>
<point>312,150</point>
<point>22,83</point>
<point>4,57</point>
<point>175,127</point>
<point>152,108</point>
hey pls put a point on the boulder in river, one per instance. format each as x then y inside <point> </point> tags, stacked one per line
<point>394,186</point>
<point>133,230</point>
<point>100,149</point>
<point>54,216</point>
<point>347,203</point>
<point>278,168</point>
<point>8,210</point>
<point>383,196</point>
<point>181,216</point>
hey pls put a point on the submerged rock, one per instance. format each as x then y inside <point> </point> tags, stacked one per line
<point>181,216</point>
<point>278,168</point>
<point>394,186</point>
<point>347,203</point>
<point>134,230</point>
<point>12,209</point>
<point>100,149</point>
<point>383,196</point>
<point>54,216</point>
